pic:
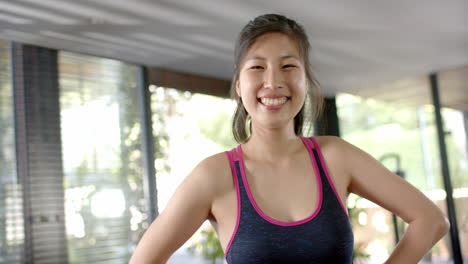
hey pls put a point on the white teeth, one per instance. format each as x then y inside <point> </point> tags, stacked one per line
<point>271,101</point>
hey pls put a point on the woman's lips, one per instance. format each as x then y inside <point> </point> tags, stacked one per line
<point>273,102</point>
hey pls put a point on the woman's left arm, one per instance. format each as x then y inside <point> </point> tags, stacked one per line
<point>371,180</point>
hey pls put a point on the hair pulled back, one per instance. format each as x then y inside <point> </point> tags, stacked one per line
<point>257,27</point>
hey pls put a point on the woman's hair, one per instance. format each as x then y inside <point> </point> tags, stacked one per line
<point>261,25</point>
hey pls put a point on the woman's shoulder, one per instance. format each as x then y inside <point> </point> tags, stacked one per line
<point>336,145</point>
<point>335,150</point>
<point>330,143</point>
<point>215,171</point>
<point>215,163</point>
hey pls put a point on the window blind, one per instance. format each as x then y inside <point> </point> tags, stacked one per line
<point>11,210</point>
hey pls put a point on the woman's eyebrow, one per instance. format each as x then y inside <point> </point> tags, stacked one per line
<point>289,57</point>
<point>282,57</point>
<point>255,58</point>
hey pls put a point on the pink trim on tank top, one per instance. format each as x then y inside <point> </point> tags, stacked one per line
<point>266,217</point>
<point>330,181</point>
<point>236,186</point>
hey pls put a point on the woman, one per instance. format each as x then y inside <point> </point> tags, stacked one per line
<point>279,197</point>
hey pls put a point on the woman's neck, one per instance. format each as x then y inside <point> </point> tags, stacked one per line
<point>272,145</point>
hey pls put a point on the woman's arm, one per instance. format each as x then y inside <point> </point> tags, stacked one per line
<point>187,209</point>
<point>371,180</point>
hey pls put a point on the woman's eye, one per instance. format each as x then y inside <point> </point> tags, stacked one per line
<point>256,67</point>
<point>289,66</point>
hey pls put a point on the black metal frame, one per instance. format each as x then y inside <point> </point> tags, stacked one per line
<point>148,149</point>
<point>454,234</point>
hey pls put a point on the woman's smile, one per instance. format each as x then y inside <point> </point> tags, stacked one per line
<point>273,103</point>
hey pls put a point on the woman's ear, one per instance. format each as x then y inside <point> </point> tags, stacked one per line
<point>238,89</point>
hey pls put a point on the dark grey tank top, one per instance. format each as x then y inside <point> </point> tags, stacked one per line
<point>323,237</point>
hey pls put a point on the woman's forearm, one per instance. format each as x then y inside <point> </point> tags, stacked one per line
<point>420,236</point>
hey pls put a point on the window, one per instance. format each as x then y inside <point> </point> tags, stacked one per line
<point>104,202</point>
<point>401,134</point>
<point>11,210</point>
<point>454,100</point>
<point>187,128</point>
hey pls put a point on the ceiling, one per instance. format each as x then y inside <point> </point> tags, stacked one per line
<point>356,45</point>
<point>416,91</point>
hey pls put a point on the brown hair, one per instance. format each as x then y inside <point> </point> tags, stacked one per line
<point>257,27</point>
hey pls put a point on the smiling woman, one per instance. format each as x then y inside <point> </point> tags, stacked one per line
<point>273,78</point>
<point>279,197</point>
<point>291,61</point>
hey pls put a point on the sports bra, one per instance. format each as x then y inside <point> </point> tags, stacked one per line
<point>323,237</point>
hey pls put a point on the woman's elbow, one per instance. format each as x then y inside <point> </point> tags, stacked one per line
<point>441,226</point>
<point>445,225</point>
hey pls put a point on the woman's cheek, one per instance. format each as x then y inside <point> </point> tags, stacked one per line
<point>255,75</point>
<point>298,81</point>
<point>253,81</point>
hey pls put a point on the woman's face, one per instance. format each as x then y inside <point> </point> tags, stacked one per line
<point>272,81</point>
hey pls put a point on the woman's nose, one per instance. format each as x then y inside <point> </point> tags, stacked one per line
<point>273,78</point>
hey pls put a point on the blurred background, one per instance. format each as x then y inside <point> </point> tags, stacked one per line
<point>105,107</point>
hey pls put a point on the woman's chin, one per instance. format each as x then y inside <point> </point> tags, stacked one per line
<point>275,123</point>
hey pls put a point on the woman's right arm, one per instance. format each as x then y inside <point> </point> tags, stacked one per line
<point>187,209</point>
